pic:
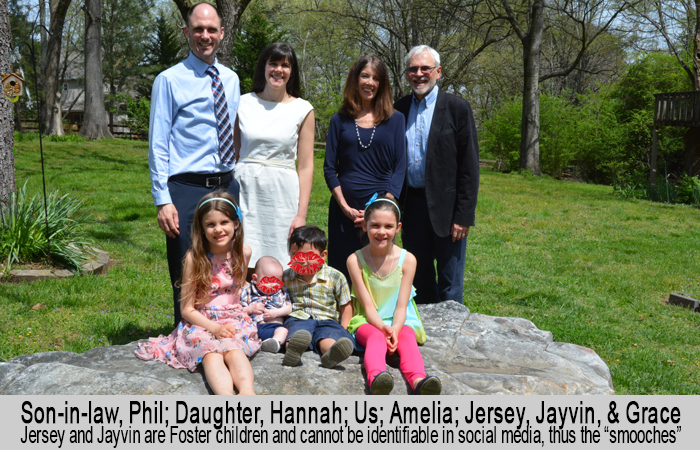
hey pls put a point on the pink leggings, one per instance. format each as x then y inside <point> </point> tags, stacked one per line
<point>375,346</point>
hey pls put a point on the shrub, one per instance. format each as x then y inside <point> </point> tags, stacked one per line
<point>688,190</point>
<point>23,230</point>
<point>138,114</point>
<point>558,133</point>
<point>501,135</point>
<point>66,138</point>
<point>22,137</point>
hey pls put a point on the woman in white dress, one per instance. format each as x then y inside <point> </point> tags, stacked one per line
<point>274,127</point>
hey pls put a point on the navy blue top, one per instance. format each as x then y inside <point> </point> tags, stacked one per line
<point>361,172</point>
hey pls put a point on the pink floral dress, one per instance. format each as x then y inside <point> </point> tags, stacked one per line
<point>187,344</point>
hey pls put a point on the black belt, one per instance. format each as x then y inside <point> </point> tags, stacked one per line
<point>203,179</point>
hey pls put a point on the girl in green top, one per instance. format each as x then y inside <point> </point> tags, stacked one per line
<point>386,319</point>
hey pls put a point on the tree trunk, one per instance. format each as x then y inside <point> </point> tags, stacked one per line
<point>231,12</point>
<point>59,8</point>
<point>530,128</point>
<point>696,48</point>
<point>95,117</point>
<point>7,138</point>
<point>18,118</point>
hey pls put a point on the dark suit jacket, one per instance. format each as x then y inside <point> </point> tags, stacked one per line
<point>452,162</point>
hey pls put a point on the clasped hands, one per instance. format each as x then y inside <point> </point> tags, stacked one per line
<point>356,215</point>
<point>259,308</point>
<point>391,335</point>
<point>225,331</point>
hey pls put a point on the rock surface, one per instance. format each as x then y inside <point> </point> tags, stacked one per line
<point>471,353</point>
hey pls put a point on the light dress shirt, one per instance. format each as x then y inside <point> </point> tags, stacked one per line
<point>182,134</point>
<point>420,117</point>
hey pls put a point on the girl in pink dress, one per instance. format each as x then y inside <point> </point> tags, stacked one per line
<point>215,331</point>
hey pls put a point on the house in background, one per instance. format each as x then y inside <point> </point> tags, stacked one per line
<point>73,102</point>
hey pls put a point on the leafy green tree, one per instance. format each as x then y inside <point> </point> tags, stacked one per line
<point>124,23</point>
<point>166,47</point>
<point>256,33</point>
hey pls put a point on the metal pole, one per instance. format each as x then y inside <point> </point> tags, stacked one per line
<point>41,145</point>
<point>654,152</point>
<point>668,198</point>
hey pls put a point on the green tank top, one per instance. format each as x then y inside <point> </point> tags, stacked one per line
<point>384,292</point>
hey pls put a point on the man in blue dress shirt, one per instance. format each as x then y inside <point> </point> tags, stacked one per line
<point>188,132</point>
<point>442,179</point>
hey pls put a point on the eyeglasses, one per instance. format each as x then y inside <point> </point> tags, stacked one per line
<point>424,69</point>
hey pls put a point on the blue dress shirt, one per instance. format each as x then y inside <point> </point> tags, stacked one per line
<point>182,134</point>
<point>420,117</point>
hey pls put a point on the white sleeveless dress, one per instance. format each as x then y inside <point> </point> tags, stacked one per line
<point>266,172</point>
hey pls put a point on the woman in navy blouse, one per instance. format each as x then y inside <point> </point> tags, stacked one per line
<point>365,154</point>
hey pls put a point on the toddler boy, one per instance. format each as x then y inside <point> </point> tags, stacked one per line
<point>321,306</point>
<point>267,302</point>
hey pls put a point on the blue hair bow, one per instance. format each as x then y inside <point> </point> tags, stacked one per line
<point>375,199</point>
<point>372,200</point>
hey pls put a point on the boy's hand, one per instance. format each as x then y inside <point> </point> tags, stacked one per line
<point>269,314</point>
<point>256,308</point>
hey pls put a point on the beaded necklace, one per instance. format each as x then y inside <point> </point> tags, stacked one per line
<point>357,130</point>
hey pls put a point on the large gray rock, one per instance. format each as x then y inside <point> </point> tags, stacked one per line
<point>471,353</point>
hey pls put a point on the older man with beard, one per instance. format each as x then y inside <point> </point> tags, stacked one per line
<point>442,179</point>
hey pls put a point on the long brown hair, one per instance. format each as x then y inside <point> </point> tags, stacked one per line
<point>382,103</point>
<point>198,286</point>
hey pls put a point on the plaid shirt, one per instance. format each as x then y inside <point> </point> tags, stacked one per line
<point>320,298</point>
<point>250,294</point>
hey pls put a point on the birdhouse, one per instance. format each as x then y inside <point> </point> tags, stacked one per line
<point>12,86</point>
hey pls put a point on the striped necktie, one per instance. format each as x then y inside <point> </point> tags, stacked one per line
<point>223,124</point>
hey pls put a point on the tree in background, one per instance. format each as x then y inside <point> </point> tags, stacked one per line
<point>95,117</point>
<point>677,23</point>
<point>256,33</point>
<point>7,140</point>
<point>50,68</point>
<point>72,66</point>
<point>605,134</point>
<point>458,30</point>
<point>585,20</point>
<point>166,47</point>
<point>123,48</point>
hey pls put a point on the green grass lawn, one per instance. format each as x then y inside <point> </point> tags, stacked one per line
<point>594,269</point>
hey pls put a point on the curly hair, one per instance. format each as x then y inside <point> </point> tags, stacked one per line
<point>198,286</point>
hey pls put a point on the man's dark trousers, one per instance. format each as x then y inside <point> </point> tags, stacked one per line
<point>185,197</point>
<point>420,239</point>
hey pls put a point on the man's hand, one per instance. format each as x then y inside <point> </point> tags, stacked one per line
<point>168,220</point>
<point>459,232</point>
<point>296,223</point>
